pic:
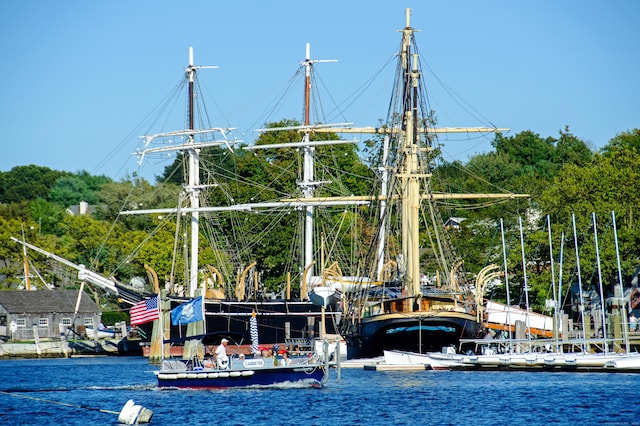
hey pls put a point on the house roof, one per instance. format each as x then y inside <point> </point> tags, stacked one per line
<point>61,301</point>
<point>456,219</point>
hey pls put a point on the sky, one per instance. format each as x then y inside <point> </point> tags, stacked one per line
<point>80,77</point>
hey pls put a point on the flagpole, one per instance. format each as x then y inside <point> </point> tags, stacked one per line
<point>204,318</point>
<point>161,325</point>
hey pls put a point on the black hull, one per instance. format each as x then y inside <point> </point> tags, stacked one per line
<point>412,332</point>
<point>278,320</point>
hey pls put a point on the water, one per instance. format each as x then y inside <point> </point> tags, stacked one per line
<point>32,392</point>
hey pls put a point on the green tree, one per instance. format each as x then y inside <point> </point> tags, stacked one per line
<point>47,215</point>
<point>571,150</point>
<point>629,140</point>
<point>25,183</point>
<point>607,184</point>
<point>71,190</point>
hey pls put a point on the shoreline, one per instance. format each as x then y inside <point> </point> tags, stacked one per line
<point>69,348</point>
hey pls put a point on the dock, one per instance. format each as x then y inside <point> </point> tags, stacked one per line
<point>56,348</point>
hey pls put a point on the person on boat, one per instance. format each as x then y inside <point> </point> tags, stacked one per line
<point>222,360</point>
<point>285,359</point>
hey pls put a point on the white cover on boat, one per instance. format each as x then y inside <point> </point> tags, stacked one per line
<point>498,313</point>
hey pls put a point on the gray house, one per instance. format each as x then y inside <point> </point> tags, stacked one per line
<point>45,312</point>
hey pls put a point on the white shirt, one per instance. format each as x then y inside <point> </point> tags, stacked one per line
<point>221,356</point>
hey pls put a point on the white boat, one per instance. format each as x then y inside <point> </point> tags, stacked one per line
<point>395,357</point>
<point>445,360</point>
<point>103,333</point>
<point>251,371</point>
<point>626,363</point>
<point>449,360</point>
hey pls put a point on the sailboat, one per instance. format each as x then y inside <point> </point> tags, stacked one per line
<point>542,354</point>
<point>398,308</point>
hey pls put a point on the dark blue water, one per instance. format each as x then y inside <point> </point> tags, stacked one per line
<point>33,391</point>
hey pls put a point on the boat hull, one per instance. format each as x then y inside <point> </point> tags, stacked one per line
<point>610,362</point>
<point>418,332</point>
<point>252,373</point>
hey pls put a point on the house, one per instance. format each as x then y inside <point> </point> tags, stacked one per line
<point>45,312</point>
<point>454,222</point>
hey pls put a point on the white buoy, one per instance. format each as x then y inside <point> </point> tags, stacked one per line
<point>132,414</point>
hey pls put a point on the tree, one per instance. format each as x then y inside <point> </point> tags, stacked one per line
<point>609,183</point>
<point>134,194</point>
<point>629,140</point>
<point>70,190</point>
<point>526,148</point>
<point>571,150</point>
<point>25,183</point>
<point>47,215</point>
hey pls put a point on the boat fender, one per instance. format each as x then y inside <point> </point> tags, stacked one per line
<point>133,414</point>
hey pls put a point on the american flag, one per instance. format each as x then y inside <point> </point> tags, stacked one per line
<point>145,311</point>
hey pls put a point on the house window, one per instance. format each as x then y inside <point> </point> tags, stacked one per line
<point>66,321</point>
<point>3,320</point>
<point>88,321</point>
<point>22,322</point>
<point>43,322</point>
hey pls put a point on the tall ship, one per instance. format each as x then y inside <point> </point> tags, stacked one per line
<point>406,303</point>
<point>299,231</point>
<point>227,216</point>
<point>249,247</point>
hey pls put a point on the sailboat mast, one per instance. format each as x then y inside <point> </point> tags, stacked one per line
<point>307,84</point>
<point>602,305</point>
<point>193,187</point>
<point>581,308</point>
<point>620,289</point>
<point>308,183</point>
<point>308,166</point>
<point>556,293</point>
<point>526,282</point>
<point>506,283</point>
<point>384,171</point>
<point>25,260</point>
<point>410,173</point>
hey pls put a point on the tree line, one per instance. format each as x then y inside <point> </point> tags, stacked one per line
<point>563,176</point>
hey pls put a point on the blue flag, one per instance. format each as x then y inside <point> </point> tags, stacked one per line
<point>188,312</point>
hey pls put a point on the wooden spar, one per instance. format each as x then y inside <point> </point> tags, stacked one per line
<point>390,130</point>
<point>25,259</point>
<point>307,85</point>
<point>367,198</point>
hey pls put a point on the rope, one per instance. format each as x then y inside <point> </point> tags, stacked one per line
<point>60,403</point>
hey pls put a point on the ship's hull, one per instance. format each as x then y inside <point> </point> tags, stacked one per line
<point>420,332</point>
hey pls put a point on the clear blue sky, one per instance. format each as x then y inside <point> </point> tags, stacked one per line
<point>78,77</point>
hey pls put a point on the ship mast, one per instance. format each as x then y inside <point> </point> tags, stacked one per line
<point>409,173</point>
<point>308,184</point>
<point>195,141</point>
<point>193,186</point>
